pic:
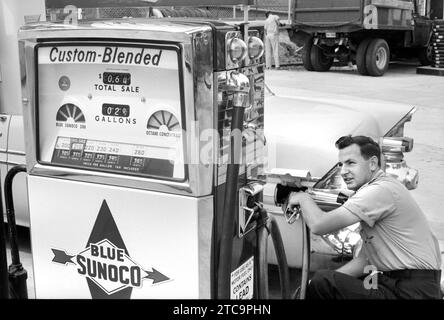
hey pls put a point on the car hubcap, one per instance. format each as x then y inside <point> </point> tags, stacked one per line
<point>429,53</point>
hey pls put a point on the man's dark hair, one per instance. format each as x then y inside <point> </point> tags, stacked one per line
<point>367,145</point>
<point>267,14</point>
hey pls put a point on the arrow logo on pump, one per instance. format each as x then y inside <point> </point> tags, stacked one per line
<point>156,276</point>
<point>61,257</point>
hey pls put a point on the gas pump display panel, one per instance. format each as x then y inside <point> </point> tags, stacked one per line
<point>111,107</point>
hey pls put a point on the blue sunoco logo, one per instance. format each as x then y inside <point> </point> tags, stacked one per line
<point>105,262</point>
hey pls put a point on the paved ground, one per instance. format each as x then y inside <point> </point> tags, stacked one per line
<point>400,84</point>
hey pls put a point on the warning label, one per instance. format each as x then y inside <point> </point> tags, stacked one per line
<point>242,281</point>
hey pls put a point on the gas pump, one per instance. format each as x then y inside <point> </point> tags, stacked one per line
<point>138,183</point>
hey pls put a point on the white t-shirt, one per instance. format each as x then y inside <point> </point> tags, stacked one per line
<point>272,25</point>
<point>394,230</point>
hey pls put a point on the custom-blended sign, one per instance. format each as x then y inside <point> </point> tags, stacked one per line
<point>109,270</point>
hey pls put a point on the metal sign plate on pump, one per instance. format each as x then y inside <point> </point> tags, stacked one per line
<point>92,248</point>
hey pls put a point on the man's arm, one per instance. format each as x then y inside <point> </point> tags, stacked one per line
<point>317,220</point>
<point>278,22</point>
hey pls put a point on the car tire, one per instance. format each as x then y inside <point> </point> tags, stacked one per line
<point>306,52</point>
<point>319,60</point>
<point>377,57</point>
<point>360,56</point>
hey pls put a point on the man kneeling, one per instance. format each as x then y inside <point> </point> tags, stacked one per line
<point>397,240</point>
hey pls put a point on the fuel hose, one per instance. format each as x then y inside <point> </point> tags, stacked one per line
<point>231,188</point>
<point>268,227</point>
<point>3,260</point>
<point>306,254</point>
<point>17,274</point>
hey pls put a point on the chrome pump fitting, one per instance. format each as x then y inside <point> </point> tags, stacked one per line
<point>238,84</point>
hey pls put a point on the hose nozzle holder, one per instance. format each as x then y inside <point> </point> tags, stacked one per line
<point>239,85</point>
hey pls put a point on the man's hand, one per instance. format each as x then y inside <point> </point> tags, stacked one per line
<point>318,221</point>
<point>293,201</point>
<point>296,198</point>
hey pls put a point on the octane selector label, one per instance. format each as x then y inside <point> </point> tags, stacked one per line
<point>106,263</point>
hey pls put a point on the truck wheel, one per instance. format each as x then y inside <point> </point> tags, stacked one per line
<point>425,55</point>
<point>306,52</point>
<point>377,57</point>
<point>360,56</point>
<point>319,60</point>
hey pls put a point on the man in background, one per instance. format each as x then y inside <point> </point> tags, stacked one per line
<point>271,39</point>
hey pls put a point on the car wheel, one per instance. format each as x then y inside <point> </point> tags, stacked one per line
<point>360,56</point>
<point>306,52</point>
<point>377,57</point>
<point>319,60</point>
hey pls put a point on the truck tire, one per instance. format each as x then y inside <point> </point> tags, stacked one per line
<point>319,60</point>
<point>425,55</point>
<point>377,57</point>
<point>306,53</point>
<point>360,56</point>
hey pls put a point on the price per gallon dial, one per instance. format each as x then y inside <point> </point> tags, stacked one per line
<point>163,120</point>
<point>70,112</point>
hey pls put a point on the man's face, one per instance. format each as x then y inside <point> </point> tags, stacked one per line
<point>355,170</point>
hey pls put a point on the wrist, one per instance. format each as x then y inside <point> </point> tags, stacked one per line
<point>305,199</point>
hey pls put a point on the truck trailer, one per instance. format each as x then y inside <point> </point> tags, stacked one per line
<point>368,33</point>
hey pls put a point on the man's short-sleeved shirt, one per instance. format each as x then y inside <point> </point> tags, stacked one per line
<point>272,25</point>
<point>394,230</point>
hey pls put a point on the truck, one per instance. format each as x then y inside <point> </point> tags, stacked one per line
<point>368,33</point>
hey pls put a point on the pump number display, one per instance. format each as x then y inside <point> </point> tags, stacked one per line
<point>117,78</point>
<point>115,110</point>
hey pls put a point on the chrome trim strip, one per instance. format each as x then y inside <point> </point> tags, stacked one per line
<point>205,227</point>
<point>134,29</point>
<point>403,120</point>
<point>11,163</point>
<point>17,153</point>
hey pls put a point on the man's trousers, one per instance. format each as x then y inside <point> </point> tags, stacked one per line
<point>272,47</point>
<point>329,284</point>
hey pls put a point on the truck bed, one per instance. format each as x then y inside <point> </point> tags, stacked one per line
<point>352,15</point>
